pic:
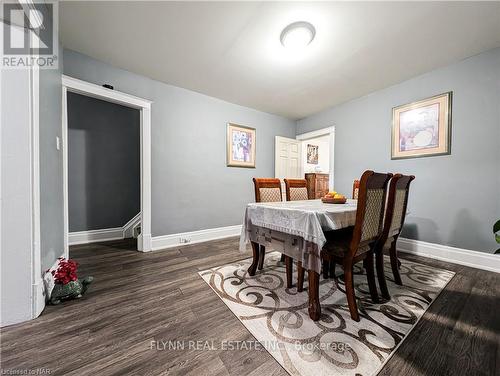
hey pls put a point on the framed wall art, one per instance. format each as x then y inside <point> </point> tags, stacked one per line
<point>240,146</point>
<point>423,128</point>
<point>312,154</point>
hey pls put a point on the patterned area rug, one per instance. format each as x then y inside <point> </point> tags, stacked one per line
<point>336,345</point>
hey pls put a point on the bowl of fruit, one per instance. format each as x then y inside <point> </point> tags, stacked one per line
<point>334,198</point>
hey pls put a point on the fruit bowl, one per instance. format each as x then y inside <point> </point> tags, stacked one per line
<point>331,200</point>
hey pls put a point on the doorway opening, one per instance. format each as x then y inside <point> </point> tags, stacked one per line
<point>317,156</point>
<point>103,171</point>
<point>309,156</point>
<point>140,223</point>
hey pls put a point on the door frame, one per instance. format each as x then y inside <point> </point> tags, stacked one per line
<point>319,133</point>
<point>144,105</point>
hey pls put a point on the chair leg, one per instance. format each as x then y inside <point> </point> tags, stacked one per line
<point>256,251</point>
<point>379,254</point>
<point>262,254</point>
<point>326,267</point>
<point>394,264</point>
<point>332,268</point>
<point>349,289</point>
<point>300,277</point>
<point>370,276</point>
<point>289,271</point>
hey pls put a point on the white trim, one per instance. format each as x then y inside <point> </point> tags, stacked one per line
<point>473,259</point>
<point>37,290</point>
<point>193,237</point>
<point>64,142</point>
<point>136,230</point>
<point>144,238</point>
<point>101,235</point>
<point>315,134</point>
<point>96,91</point>
<point>92,236</point>
<point>128,228</point>
<point>319,133</point>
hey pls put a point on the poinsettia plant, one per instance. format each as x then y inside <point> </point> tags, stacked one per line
<point>66,271</point>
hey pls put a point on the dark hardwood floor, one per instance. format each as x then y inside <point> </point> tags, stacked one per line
<point>138,298</point>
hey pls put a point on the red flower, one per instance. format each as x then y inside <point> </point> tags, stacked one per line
<point>66,271</point>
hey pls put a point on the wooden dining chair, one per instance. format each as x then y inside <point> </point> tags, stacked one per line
<point>269,190</point>
<point>350,247</point>
<point>397,202</point>
<point>296,189</point>
<point>355,189</point>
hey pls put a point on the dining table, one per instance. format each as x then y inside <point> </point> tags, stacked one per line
<point>296,229</point>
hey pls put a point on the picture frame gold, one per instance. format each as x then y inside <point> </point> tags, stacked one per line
<point>422,128</point>
<point>240,146</point>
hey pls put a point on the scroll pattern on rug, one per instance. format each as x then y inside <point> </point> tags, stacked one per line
<point>278,317</point>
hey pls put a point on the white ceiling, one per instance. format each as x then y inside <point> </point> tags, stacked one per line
<point>231,50</point>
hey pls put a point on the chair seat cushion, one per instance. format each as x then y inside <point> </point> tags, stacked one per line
<point>339,242</point>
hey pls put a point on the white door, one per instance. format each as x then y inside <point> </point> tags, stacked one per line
<point>287,164</point>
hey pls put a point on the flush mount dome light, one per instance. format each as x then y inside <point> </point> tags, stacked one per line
<point>297,35</point>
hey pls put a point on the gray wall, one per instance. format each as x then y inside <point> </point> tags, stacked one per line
<point>192,188</point>
<point>16,229</point>
<point>16,237</point>
<point>455,199</point>
<point>103,163</point>
<point>51,170</point>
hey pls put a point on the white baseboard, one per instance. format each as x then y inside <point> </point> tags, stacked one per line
<point>128,228</point>
<point>175,240</point>
<point>144,242</point>
<point>84,237</point>
<point>473,259</point>
<point>115,233</point>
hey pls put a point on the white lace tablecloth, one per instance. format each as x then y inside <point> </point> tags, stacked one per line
<point>305,219</point>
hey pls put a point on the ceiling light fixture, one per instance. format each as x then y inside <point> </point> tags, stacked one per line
<point>297,35</point>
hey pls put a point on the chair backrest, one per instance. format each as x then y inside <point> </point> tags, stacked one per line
<point>267,189</point>
<point>397,202</point>
<point>370,210</point>
<point>355,189</point>
<point>296,189</point>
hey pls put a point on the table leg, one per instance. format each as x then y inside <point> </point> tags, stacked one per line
<point>314,306</point>
<point>300,277</point>
<point>256,252</point>
<point>289,271</point>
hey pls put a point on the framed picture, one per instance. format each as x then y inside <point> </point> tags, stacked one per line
<point>423,128</point>
<point>240,146</point>
<point>312,154</point>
